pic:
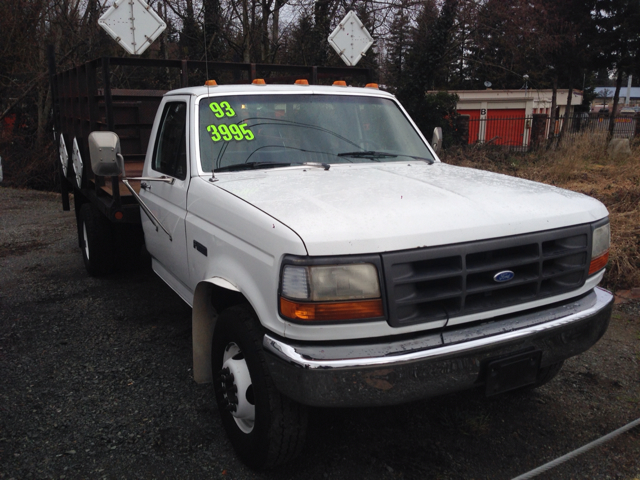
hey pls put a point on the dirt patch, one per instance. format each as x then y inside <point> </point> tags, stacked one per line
<point>97,383</point>
<point>20,249</point>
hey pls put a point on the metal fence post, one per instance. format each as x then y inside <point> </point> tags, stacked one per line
<point>462,125</point>
<point>538,128</point>
<point>184,74</point>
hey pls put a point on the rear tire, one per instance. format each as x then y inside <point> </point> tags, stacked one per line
<point>265,428</point>
<point>96,241</point>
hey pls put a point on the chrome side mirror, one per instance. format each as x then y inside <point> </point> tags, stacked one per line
<point>436,140</point>
<point>104,151</point>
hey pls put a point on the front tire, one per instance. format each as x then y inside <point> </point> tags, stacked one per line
<point>265,428</point>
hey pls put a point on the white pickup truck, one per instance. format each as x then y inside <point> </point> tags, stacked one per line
<point>331,259</point>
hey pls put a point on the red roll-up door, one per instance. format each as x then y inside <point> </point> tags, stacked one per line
<point>505,127</point>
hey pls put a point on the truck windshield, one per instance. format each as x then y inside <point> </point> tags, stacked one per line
<point>294,129</point>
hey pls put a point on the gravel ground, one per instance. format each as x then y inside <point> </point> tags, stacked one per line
<point>96,382</point>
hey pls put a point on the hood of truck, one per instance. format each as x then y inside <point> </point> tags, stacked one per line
<point>367,208</point>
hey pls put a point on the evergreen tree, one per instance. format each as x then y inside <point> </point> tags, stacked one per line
<point>191,39</point>
<point>216,47</point>
<point>427,62</point>
<point>298,48</point>
<point>397,48</point>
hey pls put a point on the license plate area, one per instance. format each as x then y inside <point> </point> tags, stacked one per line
<point>512,372</point>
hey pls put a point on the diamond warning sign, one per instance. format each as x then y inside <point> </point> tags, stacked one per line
<point>350,39</point>
<point>133,24</point>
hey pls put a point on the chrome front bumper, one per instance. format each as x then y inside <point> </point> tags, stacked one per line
<point>398,371</point>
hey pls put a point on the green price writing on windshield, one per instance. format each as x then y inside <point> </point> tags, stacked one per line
<point>228,132</point>
<point>221,109</point>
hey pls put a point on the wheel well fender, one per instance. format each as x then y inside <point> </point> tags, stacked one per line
<point>210,297</point>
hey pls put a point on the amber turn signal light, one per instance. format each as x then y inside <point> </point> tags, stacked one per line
<point>599,263</point>
<point>310,312</point>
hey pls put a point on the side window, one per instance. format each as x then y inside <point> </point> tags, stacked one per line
<point>170,155</point>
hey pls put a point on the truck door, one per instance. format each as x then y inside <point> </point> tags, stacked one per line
<point>168,202</point>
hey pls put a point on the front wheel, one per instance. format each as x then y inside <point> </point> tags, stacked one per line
<point>265,428</point>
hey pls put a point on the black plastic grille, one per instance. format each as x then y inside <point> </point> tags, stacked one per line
<point>432,284</point>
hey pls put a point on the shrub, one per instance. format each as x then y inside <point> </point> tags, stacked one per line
<point>26,165</point>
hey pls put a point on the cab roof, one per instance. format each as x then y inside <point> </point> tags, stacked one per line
<point>265,89</point>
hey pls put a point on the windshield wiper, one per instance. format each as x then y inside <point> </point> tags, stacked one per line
<point>258,165</point>
<point>368,154</point>
<point>373,154</point>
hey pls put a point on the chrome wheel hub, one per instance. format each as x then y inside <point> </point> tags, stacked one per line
<point>237,388</point>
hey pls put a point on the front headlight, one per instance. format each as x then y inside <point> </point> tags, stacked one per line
<point>600,248</point>
<point>330,292</point>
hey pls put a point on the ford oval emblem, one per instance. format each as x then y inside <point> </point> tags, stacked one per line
<point>504,276</point>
